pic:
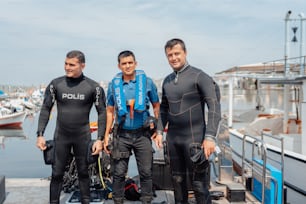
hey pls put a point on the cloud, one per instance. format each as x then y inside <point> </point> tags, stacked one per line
<point>36,35</point>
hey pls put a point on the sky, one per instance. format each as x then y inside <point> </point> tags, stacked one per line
<point>35,35</point>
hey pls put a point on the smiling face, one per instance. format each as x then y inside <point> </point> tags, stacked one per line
<point>176,57</point>
<point>73,67</point>
<point>127,65</point>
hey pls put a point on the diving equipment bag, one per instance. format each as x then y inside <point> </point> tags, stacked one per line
<point>197,156</point>
<point>91,158</point>
<point>49,152</point>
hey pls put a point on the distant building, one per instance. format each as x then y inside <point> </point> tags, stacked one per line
<point>273,68</point>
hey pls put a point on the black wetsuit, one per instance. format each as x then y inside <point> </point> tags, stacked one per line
<point>184,95</point>
<point>74,98</point>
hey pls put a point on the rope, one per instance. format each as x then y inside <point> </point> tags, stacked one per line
<point>100,172</point>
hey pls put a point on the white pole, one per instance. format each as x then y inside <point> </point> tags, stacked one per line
<point>230,102</point>
<point>303,112</point>
<point>301,15</point>
<point>287,71</point>
<point>286,108</point>
<point>287,68</point>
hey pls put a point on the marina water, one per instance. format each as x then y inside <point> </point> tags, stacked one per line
<point>20,158</point>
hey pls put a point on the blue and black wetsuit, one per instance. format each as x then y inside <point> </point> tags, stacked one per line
<point>74,98</point>
<point>184,95</point>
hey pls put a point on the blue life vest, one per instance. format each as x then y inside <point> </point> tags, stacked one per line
<point>140,95</point>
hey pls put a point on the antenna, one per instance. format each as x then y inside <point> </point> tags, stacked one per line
<point>287,68</point>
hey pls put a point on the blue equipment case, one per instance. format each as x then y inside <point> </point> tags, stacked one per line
<point>274,185</point>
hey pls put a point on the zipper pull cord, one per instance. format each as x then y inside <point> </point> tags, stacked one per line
<point>176,77</point>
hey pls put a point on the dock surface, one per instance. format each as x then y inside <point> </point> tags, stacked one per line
<point>36,191</point>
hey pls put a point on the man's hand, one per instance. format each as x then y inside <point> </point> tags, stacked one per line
<point>97,147</point>
<point>158,139</point>
<point>105,145</point>
<point>41,143</point>
<point>209,147</point>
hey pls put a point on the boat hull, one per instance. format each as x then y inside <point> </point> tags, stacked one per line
<point>12,120</point>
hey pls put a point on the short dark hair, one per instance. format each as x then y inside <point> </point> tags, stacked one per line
<point>126,53</point>
<point>76,54</point>
<point>171,43</point>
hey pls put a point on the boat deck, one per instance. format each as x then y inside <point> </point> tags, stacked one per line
<point>36,191</point>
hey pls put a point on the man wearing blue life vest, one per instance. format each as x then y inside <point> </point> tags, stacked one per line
<point>185,93</point>
<point>128,101</point>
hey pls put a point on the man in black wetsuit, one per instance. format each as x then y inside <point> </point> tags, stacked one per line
<point>74,95</point>
<point>184,95</point>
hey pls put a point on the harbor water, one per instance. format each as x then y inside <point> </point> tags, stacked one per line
<point>20,158</point>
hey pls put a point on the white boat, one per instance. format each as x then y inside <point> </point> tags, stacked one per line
<point>11,119</point>
<point>283,134</point>
<point>272,140</point>
<point>3,95</point>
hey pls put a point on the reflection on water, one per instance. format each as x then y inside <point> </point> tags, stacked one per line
<point>19,156</point>
<point>6,133</point>
<point>12,132</point>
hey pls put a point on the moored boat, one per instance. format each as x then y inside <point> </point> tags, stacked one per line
<point>280,135</point>
<point>9,119</point>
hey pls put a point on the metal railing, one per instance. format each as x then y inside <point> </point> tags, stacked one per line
<point>262,171</point>
<point>282,159</point>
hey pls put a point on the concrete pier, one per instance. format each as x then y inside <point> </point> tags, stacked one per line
<point>36,191</point>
